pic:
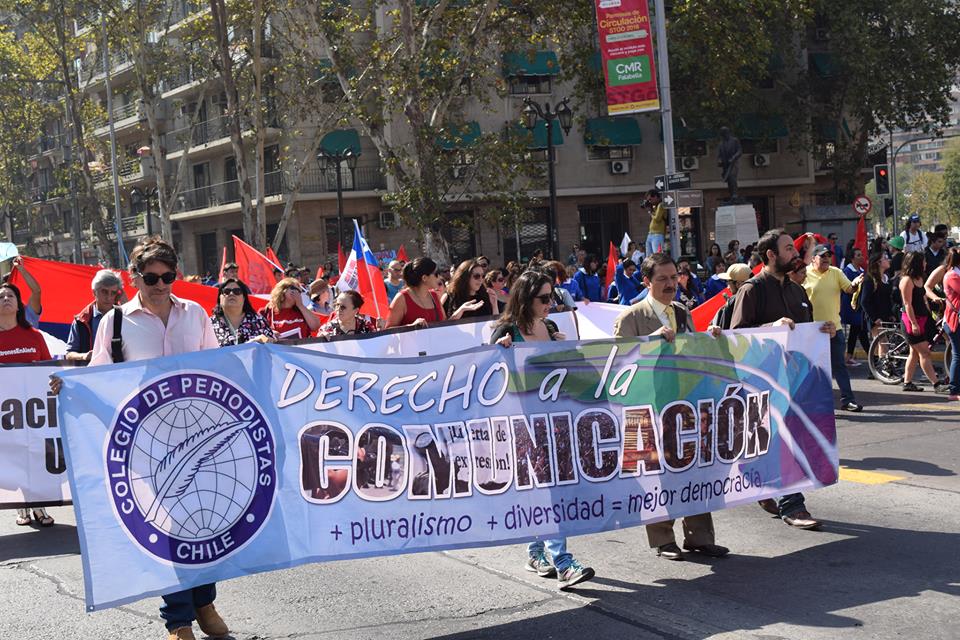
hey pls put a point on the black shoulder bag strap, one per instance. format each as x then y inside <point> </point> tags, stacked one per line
<point>116,343</point>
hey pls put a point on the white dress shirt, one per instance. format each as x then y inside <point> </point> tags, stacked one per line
<point>658,308</point>
<point>145,336</point>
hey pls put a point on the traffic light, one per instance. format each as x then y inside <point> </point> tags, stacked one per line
<point>881,179</point>
<point>887,208</point>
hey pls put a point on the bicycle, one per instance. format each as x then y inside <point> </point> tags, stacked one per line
<point>889,352</point>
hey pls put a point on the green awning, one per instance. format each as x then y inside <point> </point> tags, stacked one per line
<point>753,126</point>
<point>537,139</point>
<point>534,63</point>
<point>827,130</point>
<point>339,140</point>
<point>822,64</point>
<point>681,132</point>
<point>620,131</point>
<point>459,136</point>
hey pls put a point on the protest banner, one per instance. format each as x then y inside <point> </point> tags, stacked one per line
<point>32,464</point>
<point>202,467</point>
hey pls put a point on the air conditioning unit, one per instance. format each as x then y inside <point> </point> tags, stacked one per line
<point>458,172</point>
<point>619,167</point>
<point>388,220</point>
<point>761,159</point>
<point>689,163</point>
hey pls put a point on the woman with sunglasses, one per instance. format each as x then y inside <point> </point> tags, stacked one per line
<point>525,320</point>
<point>20,343</point>
<point>286,314</point>
<point>495,280</point>
<point>467,286</point>
<point>234,319</point>
<point>347,319</point>
<point>419,304</point>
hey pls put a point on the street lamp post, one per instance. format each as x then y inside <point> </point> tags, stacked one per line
<point>146,195</point>
<point>334,161</point>
<point>533,112</point>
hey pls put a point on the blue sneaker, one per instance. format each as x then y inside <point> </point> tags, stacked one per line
<point>572,575</point>
<point>541,566</point>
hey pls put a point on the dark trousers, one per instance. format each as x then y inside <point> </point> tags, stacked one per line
<point>858,332</point>
<point>179,608</point>
<point>791,504</point>
<point>837,344</point>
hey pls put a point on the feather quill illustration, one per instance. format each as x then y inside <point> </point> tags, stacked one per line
<point>179,467</point>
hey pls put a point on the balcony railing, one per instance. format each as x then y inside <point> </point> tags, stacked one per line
<point>122,112</point>
<point>184,9</point>
<point>92,65</point>
<point>228,192</point>
<point>360,179</point>
<point>203,132</point>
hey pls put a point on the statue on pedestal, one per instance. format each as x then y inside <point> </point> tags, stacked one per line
<point>728,157</point>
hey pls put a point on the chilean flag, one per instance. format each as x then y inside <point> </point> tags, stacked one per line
<point>360,273</point>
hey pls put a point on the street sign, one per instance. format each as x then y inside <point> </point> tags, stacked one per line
<point>684,198</point>
<point>673,181</point>
<point>862,205</point>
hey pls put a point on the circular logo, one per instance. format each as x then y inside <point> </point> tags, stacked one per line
<point>191,468</point>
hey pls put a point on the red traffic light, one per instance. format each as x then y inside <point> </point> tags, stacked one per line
<point>882,172</point>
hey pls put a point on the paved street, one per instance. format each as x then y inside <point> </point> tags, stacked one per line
<point>885,565</point>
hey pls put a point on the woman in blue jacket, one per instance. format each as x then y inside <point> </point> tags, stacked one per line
<point>588,280</point>
<point>628,284</point>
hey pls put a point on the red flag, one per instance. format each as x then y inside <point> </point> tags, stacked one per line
<point>223,263</point>
<point>341,259</point>
<point>402,255</point>
<point>860,240</point>
<point>253,267</point>
<point>66,291</point>
<point>272,257</point>
<point>704,313</point>
<point>319,272</point>
<point>611,269</point>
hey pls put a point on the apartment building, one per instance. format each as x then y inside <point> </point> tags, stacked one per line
<point>604,167</point>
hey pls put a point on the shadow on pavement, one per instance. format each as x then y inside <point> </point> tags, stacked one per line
<point>36,542</point>
<point>806,588</point>
<point>916,467</point>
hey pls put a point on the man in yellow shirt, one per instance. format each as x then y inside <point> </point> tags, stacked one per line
<point>823,284</point>
<point>658,223</point>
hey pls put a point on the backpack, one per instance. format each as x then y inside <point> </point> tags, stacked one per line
<point>116,343</point>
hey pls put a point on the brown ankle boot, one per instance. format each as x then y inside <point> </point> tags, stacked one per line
<point>210,621</point>
<point>183,633</point>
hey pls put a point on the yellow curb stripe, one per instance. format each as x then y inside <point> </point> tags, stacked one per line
<point>866,477</point>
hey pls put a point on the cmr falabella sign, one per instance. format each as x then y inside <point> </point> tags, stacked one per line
<point>626,49</point>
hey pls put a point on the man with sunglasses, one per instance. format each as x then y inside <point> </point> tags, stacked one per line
<point>394,280</point>
<point>156,323</point>
<point>107,289</point>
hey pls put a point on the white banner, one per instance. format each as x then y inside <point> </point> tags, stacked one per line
<point>32,463</point>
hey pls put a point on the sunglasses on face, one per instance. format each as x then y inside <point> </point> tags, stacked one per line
<point>545,298</point>
<point>499,279</point>
<point>233,291</point>
<point>477,276</point>
<point>151,279</point>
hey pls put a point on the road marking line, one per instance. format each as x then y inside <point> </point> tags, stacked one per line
<point>934,406</point>
<point>866,477</point>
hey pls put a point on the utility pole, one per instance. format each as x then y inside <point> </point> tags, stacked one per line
<point>666,115</point>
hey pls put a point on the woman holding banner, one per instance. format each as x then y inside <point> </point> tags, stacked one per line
<point>347,320</point>
<point>285,313</point>
<point>20,343</point>
<point>525,320</point>
<point>234,319</point>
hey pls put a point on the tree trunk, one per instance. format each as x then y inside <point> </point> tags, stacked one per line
<point>218,12</point>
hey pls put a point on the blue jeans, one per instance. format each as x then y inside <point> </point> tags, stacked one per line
<point>838,345</point>
<point>654,243</point>
<point>557,549</point>
<point>179,608</point>
<point>791,504</point>
<point>954,365</point>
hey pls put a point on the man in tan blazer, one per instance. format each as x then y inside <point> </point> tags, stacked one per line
<point>660,315</point>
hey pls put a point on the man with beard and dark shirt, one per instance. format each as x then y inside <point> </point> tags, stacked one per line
<point>771,299</point>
